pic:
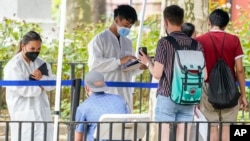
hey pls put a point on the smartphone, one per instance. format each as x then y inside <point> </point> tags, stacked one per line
<point>143,49</point>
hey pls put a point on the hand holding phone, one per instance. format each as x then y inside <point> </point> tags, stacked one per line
<point>143,49</point>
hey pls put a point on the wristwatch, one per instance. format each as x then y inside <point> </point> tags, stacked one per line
<point>149,63</point>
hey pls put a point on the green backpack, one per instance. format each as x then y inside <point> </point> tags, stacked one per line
<point>187,73</point>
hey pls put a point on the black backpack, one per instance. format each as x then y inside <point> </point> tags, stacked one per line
<point>222,90</point>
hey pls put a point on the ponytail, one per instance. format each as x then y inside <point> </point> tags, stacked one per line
<point>20,47</point>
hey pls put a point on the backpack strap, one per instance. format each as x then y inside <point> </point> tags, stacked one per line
<point>194,45</point>
<point>173,42</point>
<point>176,45</point>
<point>218,55</point>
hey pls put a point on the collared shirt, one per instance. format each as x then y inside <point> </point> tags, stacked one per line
<point>165,55</point>
<point>96,105</point>
<point>231,51</point>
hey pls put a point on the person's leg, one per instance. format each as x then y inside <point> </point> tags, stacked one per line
<point>180,132</point>
<point>165,132</point>
<point>185,113</point>
<point>228,115</point>
<point>211,114</point>
<point>225,133</point>
<point>214,136</point>
<point>164,111</point>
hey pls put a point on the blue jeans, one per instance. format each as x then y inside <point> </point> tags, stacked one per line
<point>167,110</point>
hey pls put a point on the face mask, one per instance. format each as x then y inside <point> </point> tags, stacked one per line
<point>32,55</point>
<point>123,31</point>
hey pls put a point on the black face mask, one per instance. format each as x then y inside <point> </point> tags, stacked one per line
<point>32,55</point>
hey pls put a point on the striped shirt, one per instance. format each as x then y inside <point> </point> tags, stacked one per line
<point>165,55</point>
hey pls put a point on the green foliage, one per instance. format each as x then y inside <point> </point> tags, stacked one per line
<point>55,9</point>
<point>240,28</point>
<point>76,41</point>
<point>10,33</point>
<point>243,116</point>
<point>75,50</point>
<point>65,109</point>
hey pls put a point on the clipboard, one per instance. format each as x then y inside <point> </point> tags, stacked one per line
<point>44,70</point>
<point>132,66</point>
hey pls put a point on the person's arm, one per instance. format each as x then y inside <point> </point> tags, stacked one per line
<point>79,136</point>
<point>15,72</point>
<point>50,76</point>
<point>96,61</point>
<point>156,69</point>
<point>80,116</point>
<point>241,79</point>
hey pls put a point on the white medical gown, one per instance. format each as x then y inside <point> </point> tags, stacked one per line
<point>28,103</point>
<point>105,52</point>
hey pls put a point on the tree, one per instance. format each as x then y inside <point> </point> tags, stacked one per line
<point>98,10</point>
<point>77,12</point>
<point>84,11</point>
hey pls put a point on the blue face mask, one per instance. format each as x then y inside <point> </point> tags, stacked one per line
<point>123,31</point>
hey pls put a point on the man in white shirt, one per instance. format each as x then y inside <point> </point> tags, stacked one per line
<point>110,50</point>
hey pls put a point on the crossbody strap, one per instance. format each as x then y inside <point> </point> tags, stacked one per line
<point>218,55</point>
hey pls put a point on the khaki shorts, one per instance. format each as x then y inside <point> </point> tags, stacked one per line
<point>212,114</point>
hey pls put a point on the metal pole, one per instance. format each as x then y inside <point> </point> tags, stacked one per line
<point>141,26</point>
<point>72,77</point>
<point>140,31</point>
<point>162,31</point>
<point>130,2</point>
<point>1,63</point>
<point>76,85</point>
<point>59,70</point>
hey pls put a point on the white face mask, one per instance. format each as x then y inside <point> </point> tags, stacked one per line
<point>123,31</point>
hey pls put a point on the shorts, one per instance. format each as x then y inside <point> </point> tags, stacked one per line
<point>167,110</point>
<point>212,114</point>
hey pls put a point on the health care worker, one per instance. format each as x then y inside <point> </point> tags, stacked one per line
<point>110,50</point>
<point>29,103</point>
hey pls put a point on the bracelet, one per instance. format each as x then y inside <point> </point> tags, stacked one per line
<point>149,63</point>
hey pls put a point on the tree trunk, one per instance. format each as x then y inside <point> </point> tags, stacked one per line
<point>78,11</point>
<point>196,12</point>
<point>98,11</point>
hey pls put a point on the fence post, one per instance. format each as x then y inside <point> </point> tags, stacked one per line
<point>76,85</point>
<point>72,77</point>
<point>1,93</point>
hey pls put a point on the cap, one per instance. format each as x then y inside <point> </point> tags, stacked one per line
<point>95,81</point>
